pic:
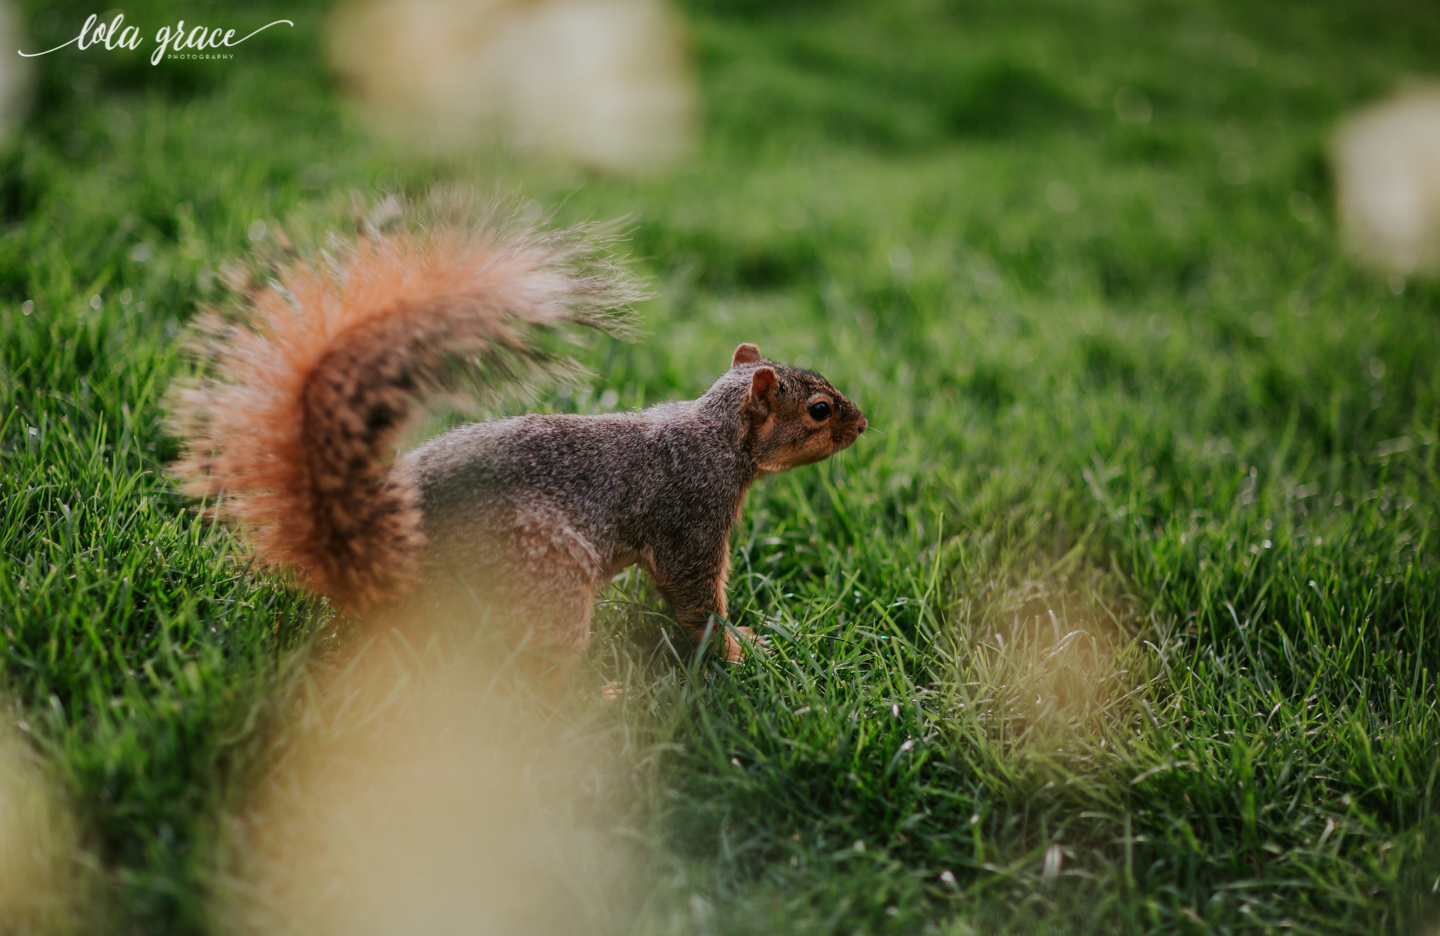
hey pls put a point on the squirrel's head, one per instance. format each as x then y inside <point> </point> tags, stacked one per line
<point>790,417</point>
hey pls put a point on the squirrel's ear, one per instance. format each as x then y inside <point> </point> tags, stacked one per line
<point>745,354</point>
<point>762,386</point>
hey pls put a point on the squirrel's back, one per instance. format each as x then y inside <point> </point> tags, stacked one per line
<point>614,478</point>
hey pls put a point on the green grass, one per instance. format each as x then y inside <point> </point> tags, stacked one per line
<point>1123,619</point>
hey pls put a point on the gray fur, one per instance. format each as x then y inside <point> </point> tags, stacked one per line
<point>538,512</point>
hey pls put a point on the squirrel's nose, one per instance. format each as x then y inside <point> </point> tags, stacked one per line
<point>863,424</point>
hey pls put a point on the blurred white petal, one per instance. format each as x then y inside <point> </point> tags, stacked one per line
<point>600,83</point>
<point>1387,169</point>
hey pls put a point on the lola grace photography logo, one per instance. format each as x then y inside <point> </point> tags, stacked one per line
<point>172,42</point>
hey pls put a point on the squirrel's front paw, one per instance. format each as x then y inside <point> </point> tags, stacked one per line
<point>735,650</point>
<point>734,653</point>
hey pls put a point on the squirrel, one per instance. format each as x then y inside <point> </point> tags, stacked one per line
<point>292,437</point>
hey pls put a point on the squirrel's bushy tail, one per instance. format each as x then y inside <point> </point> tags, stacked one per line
<point>291,431</point>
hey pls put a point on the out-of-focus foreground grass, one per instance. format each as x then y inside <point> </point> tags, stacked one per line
<point>1123,618</point>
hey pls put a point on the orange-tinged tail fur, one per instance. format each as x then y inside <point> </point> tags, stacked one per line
<point>291,432</point>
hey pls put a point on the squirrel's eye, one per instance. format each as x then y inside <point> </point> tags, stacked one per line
<point>819,411</point>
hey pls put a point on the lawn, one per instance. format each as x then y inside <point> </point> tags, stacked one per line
<point>1123,617</point>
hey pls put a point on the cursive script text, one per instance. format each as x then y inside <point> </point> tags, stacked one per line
<point>116,35</point>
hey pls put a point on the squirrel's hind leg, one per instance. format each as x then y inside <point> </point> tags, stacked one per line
<point>552,623</point>
<point>522,574</point>
<point>550,576</point>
